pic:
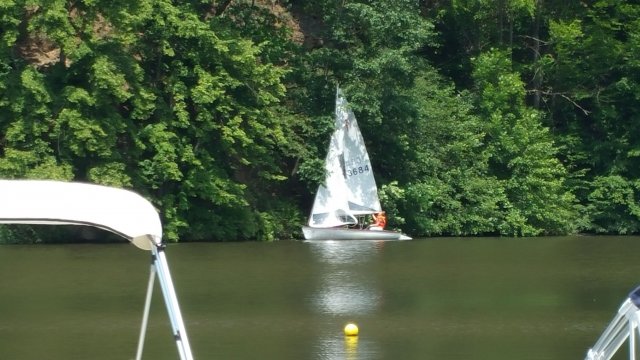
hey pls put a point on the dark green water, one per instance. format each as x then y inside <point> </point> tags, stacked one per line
<point>546,298</point>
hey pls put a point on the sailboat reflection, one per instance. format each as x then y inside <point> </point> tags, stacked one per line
<point>347,292</point>
<point>342,293</point>
<point>345,252</point>
<point>346,288</point>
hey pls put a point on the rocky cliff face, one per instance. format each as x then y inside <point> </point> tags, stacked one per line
<point>39,50</point>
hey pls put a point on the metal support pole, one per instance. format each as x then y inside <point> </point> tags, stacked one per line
<point>620,329</point>
<point>634,320</point>
<point>632,341</point>
<point>171,301</point>
<point>147,307</point>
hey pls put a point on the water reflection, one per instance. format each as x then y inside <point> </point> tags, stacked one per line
<point>344,288</point>
<point>347,290</point>
<point>342,293</point>
<point>346,348</point>
<point>351,347</point>
<point>345,252</point>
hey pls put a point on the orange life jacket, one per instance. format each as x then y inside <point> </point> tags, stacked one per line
<point>380,220</point>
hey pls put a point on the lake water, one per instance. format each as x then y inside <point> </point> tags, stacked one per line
<point>441,298</point>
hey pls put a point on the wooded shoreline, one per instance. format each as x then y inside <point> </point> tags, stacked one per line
<point>508,118</point>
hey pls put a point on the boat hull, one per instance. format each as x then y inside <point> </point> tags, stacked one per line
<point>311,233</point>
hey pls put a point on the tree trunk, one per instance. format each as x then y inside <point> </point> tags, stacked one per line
<point>537,75</point>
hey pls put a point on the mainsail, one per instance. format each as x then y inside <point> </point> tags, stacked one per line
<point>363,192</point>
<point>349,188</point>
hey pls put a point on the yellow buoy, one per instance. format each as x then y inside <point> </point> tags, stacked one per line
<point>351,330</point>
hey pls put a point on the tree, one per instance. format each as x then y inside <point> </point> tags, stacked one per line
<point>592,89</point>
<point>449,189</point>
<point>149,95</point>
<point>523,156</point>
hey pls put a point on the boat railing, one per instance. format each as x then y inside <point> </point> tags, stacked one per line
<point>623,327</point>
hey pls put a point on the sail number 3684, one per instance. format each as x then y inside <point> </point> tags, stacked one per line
<point>357,170</point>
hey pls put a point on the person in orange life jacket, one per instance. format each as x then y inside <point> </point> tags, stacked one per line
<point>379,220</point>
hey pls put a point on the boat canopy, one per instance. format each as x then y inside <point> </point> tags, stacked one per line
<point>120,211</point>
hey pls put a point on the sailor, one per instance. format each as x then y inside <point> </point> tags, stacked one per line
<point>379,221</point>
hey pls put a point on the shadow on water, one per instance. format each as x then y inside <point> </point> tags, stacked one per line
<point>447,299</point>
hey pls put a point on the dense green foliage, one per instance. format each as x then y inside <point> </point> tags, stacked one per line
<point>511,117</point>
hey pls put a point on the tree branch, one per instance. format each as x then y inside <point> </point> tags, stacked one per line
<point>564,96</point>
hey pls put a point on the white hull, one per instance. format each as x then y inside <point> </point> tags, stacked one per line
<point>311,233</point>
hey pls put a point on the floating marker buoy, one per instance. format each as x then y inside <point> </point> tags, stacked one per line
<point>351,330</point>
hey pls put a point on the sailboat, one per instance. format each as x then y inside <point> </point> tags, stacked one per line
<point>349,192</point>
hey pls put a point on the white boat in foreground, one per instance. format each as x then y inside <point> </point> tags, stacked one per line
<point>623,327</point>
<point>120,211</point>
<point>349,193</point>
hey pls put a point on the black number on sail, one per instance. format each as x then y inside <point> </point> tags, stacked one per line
<point>356,171</point>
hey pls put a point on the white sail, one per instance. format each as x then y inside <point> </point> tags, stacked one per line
<point>330,207</point>
<point>349,188</point>
<point>363,192</point>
